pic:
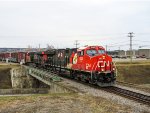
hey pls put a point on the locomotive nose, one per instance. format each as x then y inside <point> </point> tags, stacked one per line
<point>104,63</point>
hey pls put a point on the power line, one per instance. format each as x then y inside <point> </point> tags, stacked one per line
<point>143,33</point>
<point>116,44</point>
<point>141,41</point>
<point>144,46</point>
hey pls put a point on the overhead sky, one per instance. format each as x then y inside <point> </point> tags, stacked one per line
<point>61,22</point>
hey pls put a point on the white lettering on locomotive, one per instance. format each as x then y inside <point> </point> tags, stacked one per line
<point>81,58</point>
<point>102,63</point>
<point>88,65</point>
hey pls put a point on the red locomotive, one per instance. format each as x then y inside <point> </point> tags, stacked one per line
<point>92,64</point>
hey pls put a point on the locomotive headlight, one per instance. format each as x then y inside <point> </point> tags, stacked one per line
<point>103,57</point>
<point>102,69</point>
<point>113,69</point>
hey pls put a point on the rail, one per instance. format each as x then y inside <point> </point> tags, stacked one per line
<point>145,99</point>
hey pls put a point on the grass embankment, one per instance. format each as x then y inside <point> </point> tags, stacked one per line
<point>60,103</point>
<point>137,72</point>
<point>5,78</point>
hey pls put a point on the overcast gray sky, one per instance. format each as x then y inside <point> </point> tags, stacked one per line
<point>61,22</point>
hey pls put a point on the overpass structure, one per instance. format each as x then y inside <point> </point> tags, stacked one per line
<point>44,76</point>
<point>49,78</point>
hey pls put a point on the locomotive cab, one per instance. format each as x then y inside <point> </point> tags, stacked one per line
<point>95,51</point>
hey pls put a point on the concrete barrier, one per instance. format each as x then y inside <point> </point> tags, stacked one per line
<point>25,77</point>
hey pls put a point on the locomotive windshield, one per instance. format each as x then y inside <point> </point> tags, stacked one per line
<point>91,52</point>
<point>101,51</point>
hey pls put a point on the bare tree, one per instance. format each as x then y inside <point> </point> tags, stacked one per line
<point>49,47</point>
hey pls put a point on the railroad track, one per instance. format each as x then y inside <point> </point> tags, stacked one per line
<point>145,99</point>
<point>138,97</point>
<point>136,86</point>
<point>141,98</point>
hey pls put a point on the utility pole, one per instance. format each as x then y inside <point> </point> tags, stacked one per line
<point>130,35</point>
<point>76,43</point>
<point>106,48</point>
<point>119,52</point>
<point>39,47</point>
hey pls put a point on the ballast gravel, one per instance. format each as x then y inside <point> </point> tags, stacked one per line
<point>84,89</point>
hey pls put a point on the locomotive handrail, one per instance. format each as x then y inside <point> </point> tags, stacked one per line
<point>115,68</point>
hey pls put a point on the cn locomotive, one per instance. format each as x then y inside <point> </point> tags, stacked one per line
<point>90,63</point>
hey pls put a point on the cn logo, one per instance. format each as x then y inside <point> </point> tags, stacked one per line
<point>75,59</point>
<point>102,63</point>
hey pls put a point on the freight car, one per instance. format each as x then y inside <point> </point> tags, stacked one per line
<point>2,56</point>
<point>5,56</point>
<point>17,57</point>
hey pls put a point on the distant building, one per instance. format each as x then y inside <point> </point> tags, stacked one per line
<point>122,53</point>
<point>144,52</point>
<point>135,53</point>
<point>20,49</point>
<point>11,49</point>
<point>113,53</point>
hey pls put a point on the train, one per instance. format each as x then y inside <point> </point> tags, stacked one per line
<point>89,63</point>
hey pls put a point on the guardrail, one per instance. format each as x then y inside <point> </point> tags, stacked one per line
<point>50,79</point>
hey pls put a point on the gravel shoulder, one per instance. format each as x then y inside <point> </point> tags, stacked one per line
<point>136,107</point>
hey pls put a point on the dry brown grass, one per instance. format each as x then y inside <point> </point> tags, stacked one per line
<point>138,74</point>
<point>60,103</point>
<point>143,62</point>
